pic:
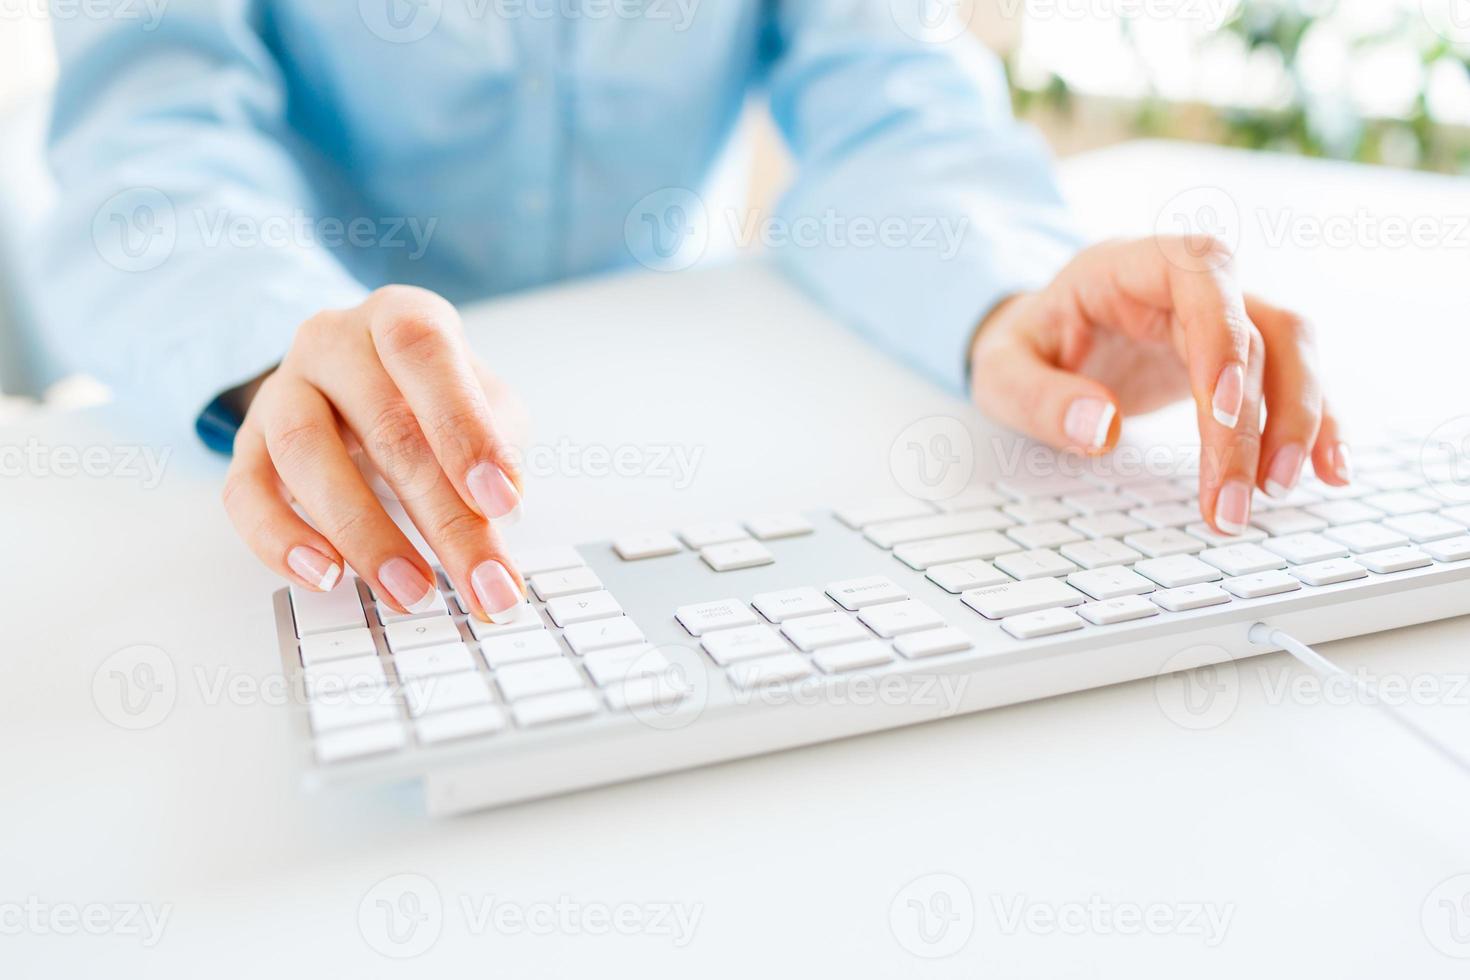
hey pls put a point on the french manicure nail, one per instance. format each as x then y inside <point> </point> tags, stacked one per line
<point>314,567</point>
<point>1233,507</point>
<point>1285,469</point>
<point>1088,422</point>
<point>494,494</point>
<point>407,584</point>
<point>1229,395</point>
<point>1342,462</point>
<point>495,588</point>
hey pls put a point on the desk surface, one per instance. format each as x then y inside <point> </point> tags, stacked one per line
<point>1306,835</point>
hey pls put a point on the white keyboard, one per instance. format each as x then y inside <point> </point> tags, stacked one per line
<point>666,650</point>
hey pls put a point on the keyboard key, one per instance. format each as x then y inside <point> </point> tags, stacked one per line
<point>1421,528</point>
<point>549,708</point>
<point>538,560</point>
<point>733,555</point>
<point>518,620</point>
<point>698,536</point>
<point>959,547</point>
<point>1149,492</point>
<point>773,527</point>
<point>814,632</point>
<point>852,656</point>
<point>1214,539</point>
<point>1460,514</point>
<point>1394,560</point>
<point>1393,479</point>
<point>1110,583</point>
<point>1449,549</point>
<point>346,678</point>
<point>1047,622</point>
<point>1123,609</point>
<point>1166,515</point>
<point>434,605</point>
<point>1049,534</point>
<point>1242,559</point>
<point>1097,502</point>
<point>769,670</point>
<point>1038,511</point>
<point>1305,549</point>
<point>890,533</point>
<point>893,618</point>
<point>426,632</point>
<point>568,581</point>
<point>701,617</point>
<point>788,603</point>
<point>599,634</point>
<point>880,511</point>
<point>1401,502</point>
<point>355,743</point>
<point>931,643</point>
<point>1000,601</point>
<point>1365,537</point>
<point>1261,584</point>
<point>1177,570</point>
<point>958,576</point>
<point>1187,597</point>
<point>580,608</point>
<point>1330,572</point>
<point>725,647</point>
<point>499,651</point>
<point>537,677</point>
<point>424,661</point>
<point>1099,553</point>
<point>320,647</point>
<point>446,692</point>
<point>350,709</point>
<point>858,593</point>
<point>1164,542</point>
<point>327,612</point>
<point>1031,487</point>
<point>973,498</point>
<point>637,547</point>
<point>1041,563</point>
<point>1336,512</point>
<point>465,723</point>
<point>1287,520</point>
<point>651,690</point>
<point>1109,525</point>
<point>609,667</point>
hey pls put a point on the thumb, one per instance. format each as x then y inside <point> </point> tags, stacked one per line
<point>1016,386</point>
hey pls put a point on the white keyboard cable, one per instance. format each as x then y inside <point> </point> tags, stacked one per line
<point>1267,635</point>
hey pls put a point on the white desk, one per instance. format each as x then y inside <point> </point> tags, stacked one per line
<point>1321,831</point>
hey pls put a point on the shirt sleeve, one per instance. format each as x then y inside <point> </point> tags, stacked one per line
<point>183,252</point>
<point>919,202</point>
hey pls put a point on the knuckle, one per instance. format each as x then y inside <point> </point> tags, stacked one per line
<point>395,433</point>
<point>407,334</point>
<point>463,432</point>
<point>297,443</point>
<point>347,526</point>
<point>457,527</point>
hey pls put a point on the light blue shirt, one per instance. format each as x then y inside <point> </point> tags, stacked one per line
<point>229,167</point>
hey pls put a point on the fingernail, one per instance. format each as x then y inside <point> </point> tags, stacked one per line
<point>407,585</point>
<point>1088,422</point>
<point>1229,395</point>
<point>1233,507</point>
<point>495,588</point>
<point>315,568</point>
<point>1342,462</point>
<point>494,494</point>
<point>1285,469</point>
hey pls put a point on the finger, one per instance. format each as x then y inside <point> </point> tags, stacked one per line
<point>306,448</point>
<point>419,341</point>
<point>1015,384</point>
<point>1330,456</point>
<point>1219,343</point>
<point>467,546</point>
<point>1293,396</point>
<point>270,527</point>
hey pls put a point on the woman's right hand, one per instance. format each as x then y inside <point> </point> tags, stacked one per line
<point>394,377</point>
